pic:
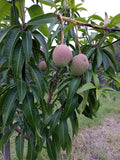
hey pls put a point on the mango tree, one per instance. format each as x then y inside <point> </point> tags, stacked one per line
<point>50,71</point>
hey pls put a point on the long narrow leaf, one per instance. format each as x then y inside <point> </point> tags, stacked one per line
<point>85,87</point>
<point>54,121</point>
<point>18,60</point>
<point>63,134</point>
<point>7,135</point>
<point>9,103</point>
<point>4,32</point>
<point>42,41</point>
<point>27,43</point>
<point>11,41</point>
<point>21,89</point>
<point>36,76</point>
<point>19,142</point>
<point>51,149</point>
<point>46,18</point>
<point>69,107</point>
<point>29,110</point>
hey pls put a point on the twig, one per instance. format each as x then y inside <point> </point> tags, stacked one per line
<point>76,22</point>
<point>20,132</point>
<point>111,43</point>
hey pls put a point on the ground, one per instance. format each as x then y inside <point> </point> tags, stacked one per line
<point>98,142</point>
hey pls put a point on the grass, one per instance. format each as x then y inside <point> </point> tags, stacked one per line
<point>110,106</point>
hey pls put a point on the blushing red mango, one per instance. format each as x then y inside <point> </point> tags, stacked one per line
<point>62,55</point>
<point>79,65</point>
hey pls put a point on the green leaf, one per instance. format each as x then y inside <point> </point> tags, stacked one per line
<point>96,17</point>
<point>63,134</point>
<point>85,87</point>
<point>31,152</point>
<point>98,93</point>
<point>74,123</point>
<point>42,19</point>
<point>55,140</point>
<point>73,86</point>
<point>21,89</point>
<point>4,32</point>
<point>19,142</point>
<point>11,41</point>
<point>11,116</point>
<point>84,102</point>
<point>42,41</point>
<point>9,103</point>
<point>35,92</point>
<point>37,77</point>
<point>7,135</point>
<point>116,19</point>
<point>51,149</point>
<point>69,146</point>
<point>96,80</point>
<point>29,110</point>
<point>90,52</point>
<point>99,56</point>
<point>105,62</point>
<point>4,9</point>
<point>62,85</point>
<point>111,58</point>
<point>14,16</point>
<point>2,99</point>
<point>70,104</point>
<point>34,11</point>
<point>27,43</point>
<point>18,60</point>
<point>48,2</point>
<point>55,119</point>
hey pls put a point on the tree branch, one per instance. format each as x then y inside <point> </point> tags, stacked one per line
<point>20,132</point>
<point>75,22</point>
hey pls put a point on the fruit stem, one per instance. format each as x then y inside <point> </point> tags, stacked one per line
<point>62,28</point>
<point>77,39</point>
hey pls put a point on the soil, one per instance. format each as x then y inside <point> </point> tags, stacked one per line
<point>98,142</point>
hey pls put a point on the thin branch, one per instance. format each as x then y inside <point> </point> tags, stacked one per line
<point>111,43</point>
<point>20,132</point>
<point>75,22</point>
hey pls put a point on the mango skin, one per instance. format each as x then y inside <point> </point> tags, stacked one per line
<point>42,65</point>
<point>62,55</point>
<point>79,64</point>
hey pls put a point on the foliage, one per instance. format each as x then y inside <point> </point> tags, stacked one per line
<point>39,104</point>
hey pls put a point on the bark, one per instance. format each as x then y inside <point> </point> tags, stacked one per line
<point>6,147</point>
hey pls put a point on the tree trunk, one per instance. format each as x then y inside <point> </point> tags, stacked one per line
<point>6,147</point>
